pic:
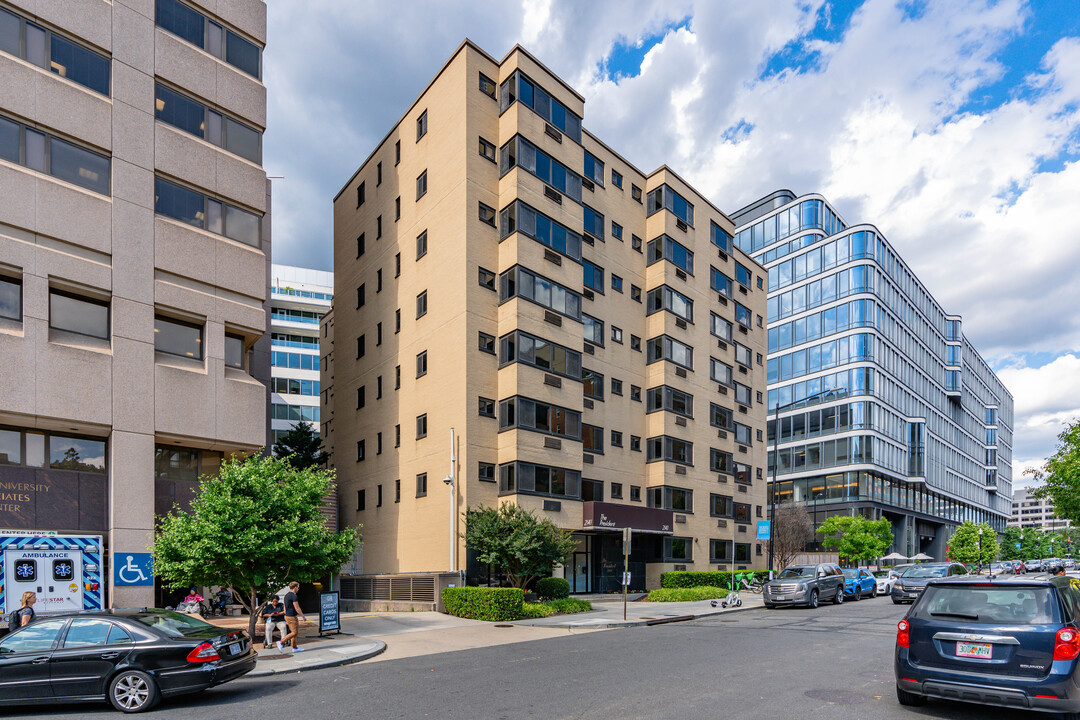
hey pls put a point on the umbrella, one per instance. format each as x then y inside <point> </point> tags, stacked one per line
<point>921,556</point>
<point>895,556</point>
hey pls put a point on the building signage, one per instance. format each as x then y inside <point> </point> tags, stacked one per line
<point>763,530</point>
<point>32,498</point>
<point>613,516</point>
<point>329,612</point>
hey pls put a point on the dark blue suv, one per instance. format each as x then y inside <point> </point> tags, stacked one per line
<point>1011,642</point>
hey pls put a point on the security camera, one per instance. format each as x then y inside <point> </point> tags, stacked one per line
<point>448,480</point>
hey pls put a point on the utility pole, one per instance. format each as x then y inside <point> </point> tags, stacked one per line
<point>627,534</point>
<point>450,480</point>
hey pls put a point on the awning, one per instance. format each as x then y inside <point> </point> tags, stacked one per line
<point>615,516</point>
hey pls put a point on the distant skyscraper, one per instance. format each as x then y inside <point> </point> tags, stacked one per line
<point>299,298</point>
<point>884,407</point>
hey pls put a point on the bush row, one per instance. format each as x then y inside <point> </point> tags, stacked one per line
<point>687,594</point>
<point>481,603</point>
<point>698,578</point>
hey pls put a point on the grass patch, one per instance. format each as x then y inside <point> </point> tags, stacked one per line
<point>688,594</point>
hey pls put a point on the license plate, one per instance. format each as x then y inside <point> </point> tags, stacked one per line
<point>780,597</point>
<point>236,648</point>
<point>974,650</point>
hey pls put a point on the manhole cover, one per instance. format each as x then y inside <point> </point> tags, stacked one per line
<point>839,697</point>
<point>503,625</point>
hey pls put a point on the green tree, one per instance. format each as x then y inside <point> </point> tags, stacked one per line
<point>252,529</point>
<point>968,546</point>
<point>516,542</point>
<point>1011,545</point>
<point>1060,476</point>
<point>855,538</point>
<point>302,446</point>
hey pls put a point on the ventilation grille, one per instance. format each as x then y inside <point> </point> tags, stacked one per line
<point>552,194</point>
<point>552,257</point>
<point>408,589</point>
<point>550,130</point>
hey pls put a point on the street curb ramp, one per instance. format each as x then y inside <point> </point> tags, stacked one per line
<point>377,648</point>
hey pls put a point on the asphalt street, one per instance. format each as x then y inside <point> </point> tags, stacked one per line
<point>833,662</point>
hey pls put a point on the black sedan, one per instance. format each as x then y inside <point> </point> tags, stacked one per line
<point>132,658</point>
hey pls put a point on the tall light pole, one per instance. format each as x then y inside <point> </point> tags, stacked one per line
<point>776,463</point>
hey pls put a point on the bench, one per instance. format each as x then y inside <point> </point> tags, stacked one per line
<point>234,610</point>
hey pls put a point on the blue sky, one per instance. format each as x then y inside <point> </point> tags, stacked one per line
<point>951,126</point>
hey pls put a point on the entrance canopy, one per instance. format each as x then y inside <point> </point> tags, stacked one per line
<point>614,516</point>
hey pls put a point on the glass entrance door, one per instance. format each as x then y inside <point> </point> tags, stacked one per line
<point>579,575</point>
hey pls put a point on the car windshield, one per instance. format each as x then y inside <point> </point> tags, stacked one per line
<point>926,571</point>
<point>851,573</point>
<point>881,574</point>
<point>173,624</point>
<point>797,571</point>
<point>987,604</point>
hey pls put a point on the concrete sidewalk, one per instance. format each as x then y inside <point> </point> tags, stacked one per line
<point>609,613</point>
<point>329,653</point>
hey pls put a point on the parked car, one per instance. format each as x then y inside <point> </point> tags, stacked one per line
<point>1069,563</point>
<point>132,658</point>
<point>1019,567</point>
<point>1033,565</point>
<point>859,582</point>
<point>1011,642</point>
<point>885,580</point>
<point>805,585</point>
<point>912,581</point>
<point>1000,569</point>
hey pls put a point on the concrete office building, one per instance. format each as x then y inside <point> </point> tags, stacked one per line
<point>1029,511</point>
<point>885,408</point>
<point>299,297</point>
<point>134,246</point>
<point>587,330</point>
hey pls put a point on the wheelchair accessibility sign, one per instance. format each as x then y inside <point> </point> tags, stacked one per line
<point>133,569</point>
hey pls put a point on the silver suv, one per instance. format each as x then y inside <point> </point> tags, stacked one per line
<point>806,585</point>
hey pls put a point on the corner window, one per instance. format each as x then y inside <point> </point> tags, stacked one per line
<point>421,185</point>
<point>487,150</point>
<point>421,126</point>
<point>193,117</point>
<point>204,33</point>
<point>53,156</point>
<point>487,215</point>
<point>46,49</point>
<point>194,208</point>
<point>177,337</point>
<point>487,86</point>
<point>81,315</point>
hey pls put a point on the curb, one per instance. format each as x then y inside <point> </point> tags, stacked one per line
<point>378,647</point>
<point>644,623</point>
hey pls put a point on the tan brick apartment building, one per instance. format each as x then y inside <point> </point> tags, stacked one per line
<point>134,246</point>
<point>588,331</point>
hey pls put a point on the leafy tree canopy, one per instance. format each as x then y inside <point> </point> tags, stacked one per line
<point>516,542</point>
<point>302,446</point>
<point>1060,476</point>
<point>967,546</point>
<point>855,538</point>
<point>253,529</point>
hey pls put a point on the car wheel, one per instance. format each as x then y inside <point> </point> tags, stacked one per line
<point>839,597</point>
<point>769,606</point>
<point>133,691</point>
<point>895,601</point>
<point>812,603</point>
<point>910,699</point>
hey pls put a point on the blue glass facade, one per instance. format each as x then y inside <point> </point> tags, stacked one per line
<point>919,427</point>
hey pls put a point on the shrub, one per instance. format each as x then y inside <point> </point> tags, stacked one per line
<point>687,594</point>
<point>551,588</point>
<point>569,605</point>
<point>697,578</point>
<point>481,603</point>
<point>537,610</point>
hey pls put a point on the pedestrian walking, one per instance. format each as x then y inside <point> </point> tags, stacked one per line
<point>293,614</point>
<point>273,615</point>
<point>25,613</point>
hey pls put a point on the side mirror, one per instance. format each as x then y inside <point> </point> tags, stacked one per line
<point>821,573</point>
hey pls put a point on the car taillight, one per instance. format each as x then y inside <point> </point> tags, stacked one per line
<point>205,652</point>
<point>902,634</point>
<point>1066,644</point>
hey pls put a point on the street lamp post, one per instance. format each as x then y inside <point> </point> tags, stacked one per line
<point>776,463</point>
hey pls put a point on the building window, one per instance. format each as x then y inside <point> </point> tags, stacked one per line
<point>487,86</point>
<point>636,243</point>
<point>361,346</point>
<point>519,152</point>
<point>397,321</point>
<point>360,499</point>
<point>487,150</point>
<point>204,33</point>
<point>635,343</point>
<point>616,491</point>
<point>378,388</point>
<point>54,52</point>
<point>635,192</point>
<point>53,156</point>
<point>421,426</point>
<point>201,121</point>
<point>76,314</point>
<point>592,439</point>
<point>421,185</point>
<point>593,222</point>
<point>664,198</point>
<point>486,278</point>
<point>361,395</point>
<point>678,549</point>
<point>234,351</point>
<point>592,384</point>
<point>616,179</point>
<point>378,227</point>
<point>360,195</point>
<point>519,282</point>
<point>635,293</point>
<point>176,337</point>
<point>421,485</point>
<point>397,491</point>
<point>397,207</point>
<point>378,281</point>
<point>669,399</point>
<point>519,346</point>
<point>635,493</point>
<point>616,283</point>
<point>635,393</point>
<point>594,330</point>
<point>421,245</point>
<point>421,304</point>
<point>616,438</point>
<point>670,449</point>
<point>519,217</point>
<point>616,334</point>
<point>487,407</point>
<point>594,169</point>
<point>616,231</point>
<point>397,153</point>
<point>720,552</point>
<point>397,436</point>
<point>635,443</point>
<point>742,553</point>
<point>421,126</point>
<point>665,248</point>
<point>487,214</point>
<point>378,334</point>
<point>421,364</point>
<point>528,414</point>
<point>198,210</point>
<point>378,174</point>
<point>519,87</point>
<point>378,495</point>
<point>616,387</point>
<point>359,451</point>
<point>10,298</point>
<point>670,349</point>
<point>397,377</point>
<point>360,245</point>
<point>361,295</point>
<point>671,498</point>
<point>487,343</point>
<point>530,479</point>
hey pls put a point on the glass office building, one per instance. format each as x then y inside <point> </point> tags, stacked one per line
<point>878,403</point>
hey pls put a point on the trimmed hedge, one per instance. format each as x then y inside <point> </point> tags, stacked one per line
<point>568,606</point>
<point>482,603</point>
<point>552,588</point>
<point>687,594</point>
<point>700,578</point>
